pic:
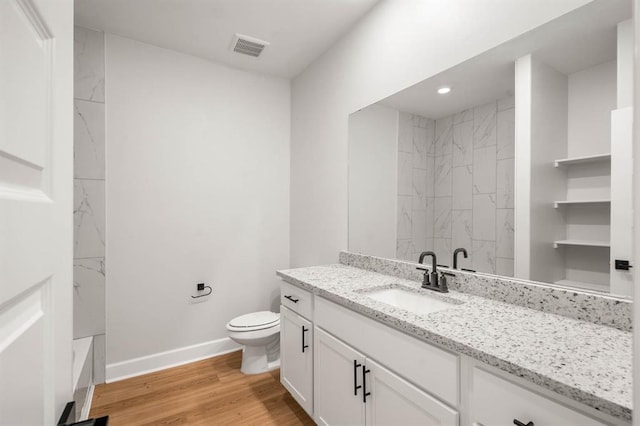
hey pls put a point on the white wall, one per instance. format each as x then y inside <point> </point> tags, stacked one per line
<point>399,43</point>
<point>549,106</point>
<point>198,191</point>
<point>373,176</point>
<point>592,97</point>
<point>541,123</point>
<point>624,58</point>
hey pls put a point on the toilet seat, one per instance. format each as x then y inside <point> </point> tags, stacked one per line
<point>254,321</point>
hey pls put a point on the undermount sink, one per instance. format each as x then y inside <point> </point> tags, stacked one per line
<point>412,301</point>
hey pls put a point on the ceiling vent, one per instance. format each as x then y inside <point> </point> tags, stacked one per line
<point>248,45</point>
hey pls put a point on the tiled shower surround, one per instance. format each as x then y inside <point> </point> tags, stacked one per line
<point>455,186</point>
<point>89,198</point>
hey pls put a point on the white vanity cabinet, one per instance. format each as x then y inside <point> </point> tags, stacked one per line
<point>296,347</point>
<point>345,368</point>
<point>497,401</point>
<point>352,386</point>
<point>352,389</point>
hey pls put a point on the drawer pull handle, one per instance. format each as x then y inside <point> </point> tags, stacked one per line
<point>519,423</point>
<point>356,386</point>
<point>365,394</point>
<point>291,298</point>
<point>304,330</point>
<point>476,424</point>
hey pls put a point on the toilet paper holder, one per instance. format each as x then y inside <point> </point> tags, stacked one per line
<point>202,287</point>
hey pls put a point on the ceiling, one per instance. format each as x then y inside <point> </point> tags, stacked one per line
<point>576,41</point>
<point>298,30</point>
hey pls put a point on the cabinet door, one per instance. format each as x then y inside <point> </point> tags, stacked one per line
<point>338,373</point>
<point>296,357</point>
<point>394,401</point>
<point>496,401</point>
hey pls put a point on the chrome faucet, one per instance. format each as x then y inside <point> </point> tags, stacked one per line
<point>456,252</point>
<point>431,281</point>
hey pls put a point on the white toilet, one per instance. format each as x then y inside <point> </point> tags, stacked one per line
<point>259,332</point>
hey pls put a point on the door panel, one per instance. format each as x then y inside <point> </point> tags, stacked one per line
<point>297,366</point>
<point>394,401</point>
<point>335,400</point>
<point>621,199</point>
<point>22,366</point>
<point>36,161</point>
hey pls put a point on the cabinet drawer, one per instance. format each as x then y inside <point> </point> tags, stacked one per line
<point>497,401</point>
<point>296,299</point>
<point>428,367</point>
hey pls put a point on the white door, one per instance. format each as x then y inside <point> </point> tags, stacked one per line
<point>621,199</point>
<point>296,357</point>
<point>36,190</point>
<point>394,401</point>
<point>338,382</point>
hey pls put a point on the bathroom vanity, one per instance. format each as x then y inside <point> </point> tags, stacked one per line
<point>359,347</point>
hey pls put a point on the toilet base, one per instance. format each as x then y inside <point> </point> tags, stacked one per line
<point>255,360</point>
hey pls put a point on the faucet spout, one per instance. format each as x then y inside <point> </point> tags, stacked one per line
<point>456,252</point>
<point>434,263</point>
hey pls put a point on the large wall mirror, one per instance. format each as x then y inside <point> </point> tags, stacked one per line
<point>525,163</point>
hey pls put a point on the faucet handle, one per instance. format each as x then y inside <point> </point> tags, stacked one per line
<point>443,283</point>
<point>425,279</point>
<point>422,269</point>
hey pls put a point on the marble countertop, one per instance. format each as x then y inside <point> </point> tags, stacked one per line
<point>589,363</point>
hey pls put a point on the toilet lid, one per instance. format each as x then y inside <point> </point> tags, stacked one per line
<point>254,321</point>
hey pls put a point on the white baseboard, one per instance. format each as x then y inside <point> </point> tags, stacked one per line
<point>175,357</point>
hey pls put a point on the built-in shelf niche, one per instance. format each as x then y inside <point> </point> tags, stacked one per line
<point>564,203</point>
<point>583,243</point>
<point>583,159</point>
<point>570,187</point>
<point>573,161</point>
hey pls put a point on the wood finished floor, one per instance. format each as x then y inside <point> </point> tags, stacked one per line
<point>208,392</point>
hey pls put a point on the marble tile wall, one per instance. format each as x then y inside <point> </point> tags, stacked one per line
<point>89,192</point>
<point>468,167</point>
<point>415,185</point>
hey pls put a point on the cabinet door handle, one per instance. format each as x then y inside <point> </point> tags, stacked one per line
<point>304,330</point>
<point>365,394</point>
<point>291,298</point>
<point>356,386</point>
<point>519,423</point>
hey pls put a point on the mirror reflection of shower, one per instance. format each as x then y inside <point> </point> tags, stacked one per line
<point>444,171</point>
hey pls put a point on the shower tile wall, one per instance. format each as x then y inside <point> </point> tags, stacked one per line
<point>89,202</point>
<point>415,185</point>
<point>456,186</point>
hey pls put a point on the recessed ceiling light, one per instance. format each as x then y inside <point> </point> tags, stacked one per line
<point>444,90</point>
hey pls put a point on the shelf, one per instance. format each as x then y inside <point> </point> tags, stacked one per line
<point>561,203</point>
<point>582,285</point>
<point>583,243</point>
<point>582,160</point>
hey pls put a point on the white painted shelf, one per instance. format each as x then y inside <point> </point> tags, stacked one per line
<point>582,160</point>
<point>583,243</point>
<point>561,203</point>
<point>582,285</point>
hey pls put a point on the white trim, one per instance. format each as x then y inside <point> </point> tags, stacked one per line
<point>636,217</point>
<point>86,408</point>
<point>173,358</point>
